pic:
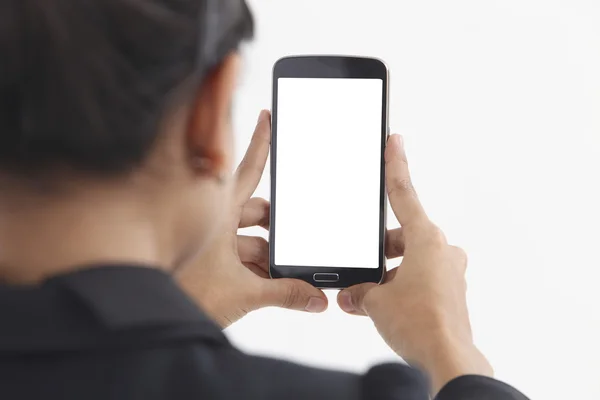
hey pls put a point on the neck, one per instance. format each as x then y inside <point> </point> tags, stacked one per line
<point>42,237</point>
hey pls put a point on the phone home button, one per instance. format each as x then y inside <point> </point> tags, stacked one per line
<point>326,277</point>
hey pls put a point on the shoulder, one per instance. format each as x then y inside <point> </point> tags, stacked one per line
<point>223,372</point>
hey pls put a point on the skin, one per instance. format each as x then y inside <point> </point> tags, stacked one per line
<point>421,308</point>
<point>182,208</point>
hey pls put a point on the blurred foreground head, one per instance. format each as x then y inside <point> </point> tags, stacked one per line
<point>129,99</point>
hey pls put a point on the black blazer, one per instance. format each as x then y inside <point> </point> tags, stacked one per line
<point>126,332</point>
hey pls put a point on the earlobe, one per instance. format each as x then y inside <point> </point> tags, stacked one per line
<point>208,137</point>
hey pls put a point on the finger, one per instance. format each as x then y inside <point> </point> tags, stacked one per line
<point>352,299</point>
<point>254,250</point>
<point>294,294</point>
<point>390,274</point>
<point>402,195</point>
<point>252,166</point>
<point>255,213</point>
<point>394,243</point>
<point>257,270</point>
<point>461,257</point>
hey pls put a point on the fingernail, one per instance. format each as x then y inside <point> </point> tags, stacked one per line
<point>345,302</point>
<point>315,305</point>
<point>262,116</point>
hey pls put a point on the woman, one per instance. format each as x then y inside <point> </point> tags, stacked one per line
<point>118,220</point>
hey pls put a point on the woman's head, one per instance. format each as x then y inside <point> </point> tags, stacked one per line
<point>127,93</point>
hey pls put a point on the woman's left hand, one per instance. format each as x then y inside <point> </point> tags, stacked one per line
<point>231,278</point>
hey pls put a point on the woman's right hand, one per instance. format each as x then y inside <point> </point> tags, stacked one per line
<point>421,309</point>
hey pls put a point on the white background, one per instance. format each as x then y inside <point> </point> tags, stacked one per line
<point>499,103</point>
<point>328,172</point>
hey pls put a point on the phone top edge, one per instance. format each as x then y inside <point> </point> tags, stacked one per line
<point>330,66</point>
<point>330,56</point>
<point>294,56</point>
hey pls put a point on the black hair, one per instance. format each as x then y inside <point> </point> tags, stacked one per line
<point>84,84</point>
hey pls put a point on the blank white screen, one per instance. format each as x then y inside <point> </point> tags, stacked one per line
<point>328,170</point>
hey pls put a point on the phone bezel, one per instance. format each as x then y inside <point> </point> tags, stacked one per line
<point>347,67</point>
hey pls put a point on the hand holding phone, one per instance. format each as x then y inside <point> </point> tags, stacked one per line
<point>421,309</point>
<point>241,282</point>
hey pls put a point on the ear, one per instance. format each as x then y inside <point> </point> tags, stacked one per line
<point>208,134</point>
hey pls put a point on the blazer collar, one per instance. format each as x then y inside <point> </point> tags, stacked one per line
<point>98,306</point>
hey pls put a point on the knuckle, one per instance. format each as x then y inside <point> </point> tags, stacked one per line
<point>438,236</point>
<point>292,295</point>
<point>366,297</point>
<point>261,254</point>
<point>266,208</point>
<point>460,256</point>
<point>397,247</point>
<point>263,203</point>
<point>458,252</point>
<point>433,235</point>
<point>369,300</point>
<point>401,184</point>
<point>394,242</point>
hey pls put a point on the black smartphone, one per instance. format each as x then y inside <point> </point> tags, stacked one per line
<point>328,198</point>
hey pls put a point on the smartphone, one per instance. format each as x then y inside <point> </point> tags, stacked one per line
<point>328,198</point>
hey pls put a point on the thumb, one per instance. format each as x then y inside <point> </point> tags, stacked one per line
<point>352,299</point>
<point>293,294</point>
